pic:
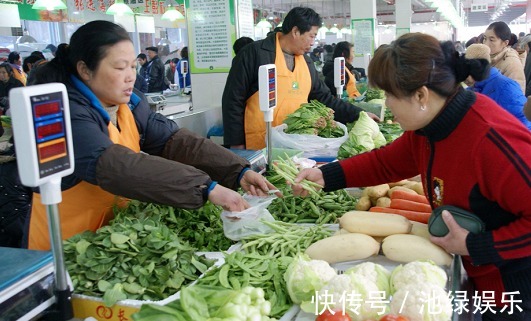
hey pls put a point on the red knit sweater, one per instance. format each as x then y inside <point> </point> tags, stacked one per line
<point>473,155</point>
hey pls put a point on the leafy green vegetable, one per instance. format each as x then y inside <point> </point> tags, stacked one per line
<point>373,93</point>
<point>313,118</point>
<point>364,136</point>
<point>132,258</point>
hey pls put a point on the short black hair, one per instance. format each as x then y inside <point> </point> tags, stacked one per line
<point>303,18</point>
<point>184,53</point>
<point>342,49</point>
<point>240,43</point>
<point>13,56</point>
<point>142,56</point>
<point>31,59</point>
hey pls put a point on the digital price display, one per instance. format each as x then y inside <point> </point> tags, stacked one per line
<point>47,110</point>
<point>342,72</point>
<point>272,87</point>
<point>50,133</point>
<point>184,67</point>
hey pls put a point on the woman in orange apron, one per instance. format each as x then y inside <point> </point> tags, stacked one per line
<point>346,50</point>
<point>122,148</point>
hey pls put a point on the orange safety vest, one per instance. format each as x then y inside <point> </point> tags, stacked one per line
<point>352,90</point>
<point>84,206</point>
<point>293,89</point>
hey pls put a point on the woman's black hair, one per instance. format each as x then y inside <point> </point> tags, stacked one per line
<point>184,53</point>
<point>342,49</point>
<point>302,18</point>
<point>31,59</point>
<point>501,29</point>
<point>88,44</point>
<point>8,68</point>
<point>13,57</point>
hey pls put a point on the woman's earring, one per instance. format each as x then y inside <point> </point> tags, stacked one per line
<point>423,107</point>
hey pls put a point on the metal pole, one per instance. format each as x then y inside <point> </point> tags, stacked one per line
<point>56,242</point>
<point>269,145</point>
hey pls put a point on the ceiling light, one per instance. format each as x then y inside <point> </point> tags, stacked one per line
<point>119,8</point>
<point>49,5</point>
<point>172,14</point>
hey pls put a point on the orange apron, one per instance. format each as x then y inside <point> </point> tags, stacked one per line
<point>293,89</point>
<point>84,206</point>
<point>352,90</point>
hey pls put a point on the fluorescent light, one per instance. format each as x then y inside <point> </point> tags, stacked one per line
<point>49,5</point>
<point>172,14</point>
<point>119,8</point>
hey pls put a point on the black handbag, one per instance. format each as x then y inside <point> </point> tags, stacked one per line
<point>465,219</point>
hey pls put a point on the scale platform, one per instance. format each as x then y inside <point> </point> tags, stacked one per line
<point>26,283</point>
<point>255,157</point>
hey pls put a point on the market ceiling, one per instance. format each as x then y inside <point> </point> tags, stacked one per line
<point>336,10</point>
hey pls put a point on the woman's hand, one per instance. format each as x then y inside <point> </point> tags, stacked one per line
<point>256,184</point>
<point>455,241</point>
<point>228,199</point>
<point>311,174</point>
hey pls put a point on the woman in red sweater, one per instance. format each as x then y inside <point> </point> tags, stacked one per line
<point>470,153</point>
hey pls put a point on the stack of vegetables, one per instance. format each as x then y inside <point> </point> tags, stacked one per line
<point>368,290</point>
<point>364,136</point>
<point>313,118</point>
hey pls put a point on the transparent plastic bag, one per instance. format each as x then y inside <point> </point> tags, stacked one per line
<point>311,145</point>
<point>238,225</point>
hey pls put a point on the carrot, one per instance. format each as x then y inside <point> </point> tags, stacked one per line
<point>421,217</point>
<point>398,194</point>
<point>409,205</point>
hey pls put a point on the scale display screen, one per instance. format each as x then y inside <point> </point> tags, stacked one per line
<point>272,87</point>
<point>50,133</point>
<point>342,72</point>
<point>184,67</point>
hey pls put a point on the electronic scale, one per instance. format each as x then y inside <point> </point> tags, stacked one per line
<point>156,102</point>
<point>339,75</point>
<point>41,129</point>
<point>184,72</point>
<point>267,89</point>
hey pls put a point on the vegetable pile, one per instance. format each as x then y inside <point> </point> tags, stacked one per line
<point>211,303</point>
<point>287,169</point>
<point>313,118</point>
<point>132,258</point>
<point>364,136</point>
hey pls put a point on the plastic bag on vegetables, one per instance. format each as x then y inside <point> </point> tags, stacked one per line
<point>311,145</point>
<point>238,225</point>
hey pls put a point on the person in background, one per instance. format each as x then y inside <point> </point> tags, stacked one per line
<point>240,43</point>
<point>124,149</point>
<point>154,71</point>
<point>328,53</point>
<point>462,142</point>
<point>502,56</point>
<point>501,89</point>
<point>184,82</point>
<point>169,74</point>
<point>315,55</point>
<point>52,49</point>
<point>346,50</point>
<point>297,81</point>
<point>7,82</point>
<point>15,61</point>
<point>471,41</point>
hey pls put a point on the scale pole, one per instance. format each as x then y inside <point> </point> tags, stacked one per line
<point>269,144</point>
<point>56,242</point>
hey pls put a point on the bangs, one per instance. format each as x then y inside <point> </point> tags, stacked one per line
<point>383,71</point>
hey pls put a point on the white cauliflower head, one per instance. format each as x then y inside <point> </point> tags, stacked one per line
<point>304,276</point>
<point>417,272</point>
<point>351,293</point>
<point>422,302</point>
<point>378,274</point>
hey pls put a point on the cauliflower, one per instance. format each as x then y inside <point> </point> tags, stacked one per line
<point>352,293</point>
<point>422,302</point>
<point>378,274</point>
<point>305,276</point>
<point>417,272</point>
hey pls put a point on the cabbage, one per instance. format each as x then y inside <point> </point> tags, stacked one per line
<point>351,293</point>
<point>376,273</point>
<point>305,276</point>
<point>416,272</point>
<point>364,136</point>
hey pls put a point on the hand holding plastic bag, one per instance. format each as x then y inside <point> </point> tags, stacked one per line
<point>238,225</point>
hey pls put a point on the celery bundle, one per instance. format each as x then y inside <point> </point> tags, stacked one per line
<point>313,118</point>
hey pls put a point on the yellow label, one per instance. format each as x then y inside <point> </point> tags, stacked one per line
<point>84,308</point>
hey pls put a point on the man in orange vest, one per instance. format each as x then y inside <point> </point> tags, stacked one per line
<point>297,81</point>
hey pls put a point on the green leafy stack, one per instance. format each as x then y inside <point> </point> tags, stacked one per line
<point>364,136</point>
<point>313,118</point>
<point>133,258</point>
